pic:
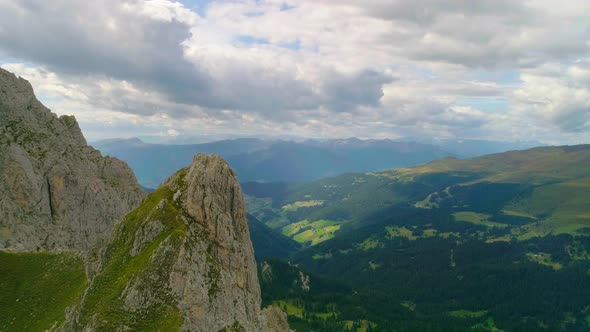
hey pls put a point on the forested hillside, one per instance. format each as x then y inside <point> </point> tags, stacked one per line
<point>498,242</point>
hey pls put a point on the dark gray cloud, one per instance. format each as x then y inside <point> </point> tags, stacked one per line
<point>425,12</point>
<point>346,92</point>
<point>112,39</point>
<point>102,38</point>
<point>321,66</point>
<point>574,118</point>
<point>485,33</point>
<point>558,94</point>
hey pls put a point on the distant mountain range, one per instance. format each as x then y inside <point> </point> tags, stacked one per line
<point>289,161</point>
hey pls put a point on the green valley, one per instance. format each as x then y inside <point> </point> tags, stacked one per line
<point>493,243</point>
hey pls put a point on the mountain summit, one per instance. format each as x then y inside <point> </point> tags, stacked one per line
<point>183,260</point>
<point>74,258</point>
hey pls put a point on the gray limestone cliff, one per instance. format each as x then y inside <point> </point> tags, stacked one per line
<point>56,192</point>
<point>182,261</point>
<point>179,259</point>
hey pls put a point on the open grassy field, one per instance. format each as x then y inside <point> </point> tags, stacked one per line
<point>311,232</point>
<point>36,289</point>
<point>468,313</point>
<point>543,259</point>
<point>564,205</point>
<point>290,308</point>
<point>395,231</point>
<point>477,219</point>
<point>302,204</point>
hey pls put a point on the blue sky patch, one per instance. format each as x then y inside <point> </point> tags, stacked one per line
<point>509,77</point>
<point>295,45</point>
<point>494,104</point>
<point>199,6</point>
<point>285,6</point>
<point>252,40</point>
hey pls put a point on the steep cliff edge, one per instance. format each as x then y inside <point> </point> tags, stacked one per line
<point>74,258</point>
<point>56,192</point>
<point>183,260</point>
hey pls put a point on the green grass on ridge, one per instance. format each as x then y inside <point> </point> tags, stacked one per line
<point>36,289</point>
<point>103,299</point>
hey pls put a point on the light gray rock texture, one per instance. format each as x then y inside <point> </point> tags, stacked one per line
<point>56,192</point>
<point>188,244</point>
<point>198,262</point>
<point>201,262</point>
<point>215,276</point>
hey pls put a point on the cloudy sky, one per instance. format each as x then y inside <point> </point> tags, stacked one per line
<point>491,69</point>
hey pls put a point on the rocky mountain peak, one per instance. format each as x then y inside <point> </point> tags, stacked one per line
<point>25,120</point>
<point>15,90</point>
<point>214,199</point>
<point>56,192</point>
<point>182,258</point>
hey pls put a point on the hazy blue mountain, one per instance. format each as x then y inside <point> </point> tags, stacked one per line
<point>310,160</point>
<point>472,148</point>
<point>152,163</point>
<point>266,160</point>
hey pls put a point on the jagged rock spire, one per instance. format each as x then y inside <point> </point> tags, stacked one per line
<point>184,256</point>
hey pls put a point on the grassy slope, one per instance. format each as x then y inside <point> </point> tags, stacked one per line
<point>477,219</point>
<point>36,288</point>
<point>103,299</point>
<point>559,178</point>
<point>564,204</point>
<point>545,164</point>
<point>311,233</point>
<point>537,192</point>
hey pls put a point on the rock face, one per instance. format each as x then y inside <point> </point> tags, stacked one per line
<point>183,260</point>
<point>56,192</point>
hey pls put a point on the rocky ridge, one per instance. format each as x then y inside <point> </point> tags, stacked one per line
<point>183,260</point>
<point>56,192</point>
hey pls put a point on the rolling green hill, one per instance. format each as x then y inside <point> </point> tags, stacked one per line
<point>534,192</point>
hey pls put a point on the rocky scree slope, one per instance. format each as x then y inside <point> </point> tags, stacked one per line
<point>182,260</point>
<point>56,192</point>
